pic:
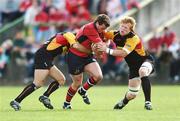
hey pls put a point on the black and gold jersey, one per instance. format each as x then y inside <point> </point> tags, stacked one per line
<point>132,44</point>
<point>56,45</point>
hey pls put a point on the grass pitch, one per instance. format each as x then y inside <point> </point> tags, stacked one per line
<point>166,104</point>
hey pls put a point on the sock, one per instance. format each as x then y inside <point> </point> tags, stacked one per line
<point>71,92</point>
<point>27,91</point>
<point>146,86</point>
<point>125,100</point>
<point>89,83</point>
<point>51,88</point>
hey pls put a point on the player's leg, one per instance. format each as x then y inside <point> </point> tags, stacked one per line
<point>59,78</point>
<point>77,81</point>
<point>134,86</point>
<point>76,68</point>
<point>95,73</point>
<point>39,77</point>
<point>144,71</point>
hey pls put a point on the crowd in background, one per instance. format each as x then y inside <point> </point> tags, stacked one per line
<point>166,50</point>
<point>44,18</point>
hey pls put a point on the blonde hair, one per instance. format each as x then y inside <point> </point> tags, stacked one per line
<point>130,20</point>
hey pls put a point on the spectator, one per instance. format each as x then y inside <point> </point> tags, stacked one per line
<point>18,52</point>
<point>30,49</point>
<point>101,7</point>
<point>59,4</point>
<point>123,4</point>
<point>58,19</point>
<point>168,36</point>
<point>43,32</point>
<point>4,56</point>
<point>154,47</point>
<point>115,6</point>
<point>72,5</point>
<point>24,5</point>
<point>113,66</point>
<point>174,48</point>
<point>154,43</point>
<point>80,18</point>
<point>133,4</point>
<point>29,19</point>
<point>10,10</point>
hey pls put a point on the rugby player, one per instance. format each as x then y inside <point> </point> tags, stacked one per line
<point>44,67</point>
<point>82,62</point>
<point>140,63</point>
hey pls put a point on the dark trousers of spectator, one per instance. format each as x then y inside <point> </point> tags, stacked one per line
<point>110,65</point>
<point>174,68</point>
<point>9,17</point>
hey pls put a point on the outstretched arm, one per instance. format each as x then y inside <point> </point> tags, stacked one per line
<point>114,52</point>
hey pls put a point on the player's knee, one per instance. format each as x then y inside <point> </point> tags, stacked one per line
<point>98,78</point>
<point>145,69</point>
<point>61,80</point>
<point>143,72</point>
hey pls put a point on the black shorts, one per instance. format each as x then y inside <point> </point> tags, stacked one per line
<point>76,63</point>
<point>43,60</point>
<point>134,69</point>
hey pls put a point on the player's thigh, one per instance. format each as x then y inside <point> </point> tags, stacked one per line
<point>93,69</point>
<point>40,76</point>
<point>56,74</point>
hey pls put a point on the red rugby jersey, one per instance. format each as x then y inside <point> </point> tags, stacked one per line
<point>87,35</point>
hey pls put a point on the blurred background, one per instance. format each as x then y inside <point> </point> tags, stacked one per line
<point>26,24</point>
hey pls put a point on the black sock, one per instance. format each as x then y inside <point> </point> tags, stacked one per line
<point>146,86</point>
<point>125,100</point>
<point>27,91</point>
<point>51,88</point>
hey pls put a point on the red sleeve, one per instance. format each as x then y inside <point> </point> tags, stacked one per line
<point>61,40</point>
<point>92,35</point>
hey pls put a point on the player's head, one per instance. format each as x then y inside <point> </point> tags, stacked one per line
<point>127,24</point>
<point>102,22</point>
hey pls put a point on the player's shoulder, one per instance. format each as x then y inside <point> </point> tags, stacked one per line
<point>133,36</point>
<point>90,29</point>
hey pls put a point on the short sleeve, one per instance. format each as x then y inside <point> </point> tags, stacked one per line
<point>130,44</point>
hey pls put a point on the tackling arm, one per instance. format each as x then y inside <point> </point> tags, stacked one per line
<point>114,52</point>
<point>70,37</point>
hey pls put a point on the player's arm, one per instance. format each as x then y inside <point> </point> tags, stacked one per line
<point>114,52</point>
<point>122,52</point>
<point>70,37</point>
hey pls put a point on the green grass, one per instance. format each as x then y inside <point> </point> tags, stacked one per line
<point>166,104</point>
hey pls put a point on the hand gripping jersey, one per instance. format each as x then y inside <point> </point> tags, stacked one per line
<point>87,35</point>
